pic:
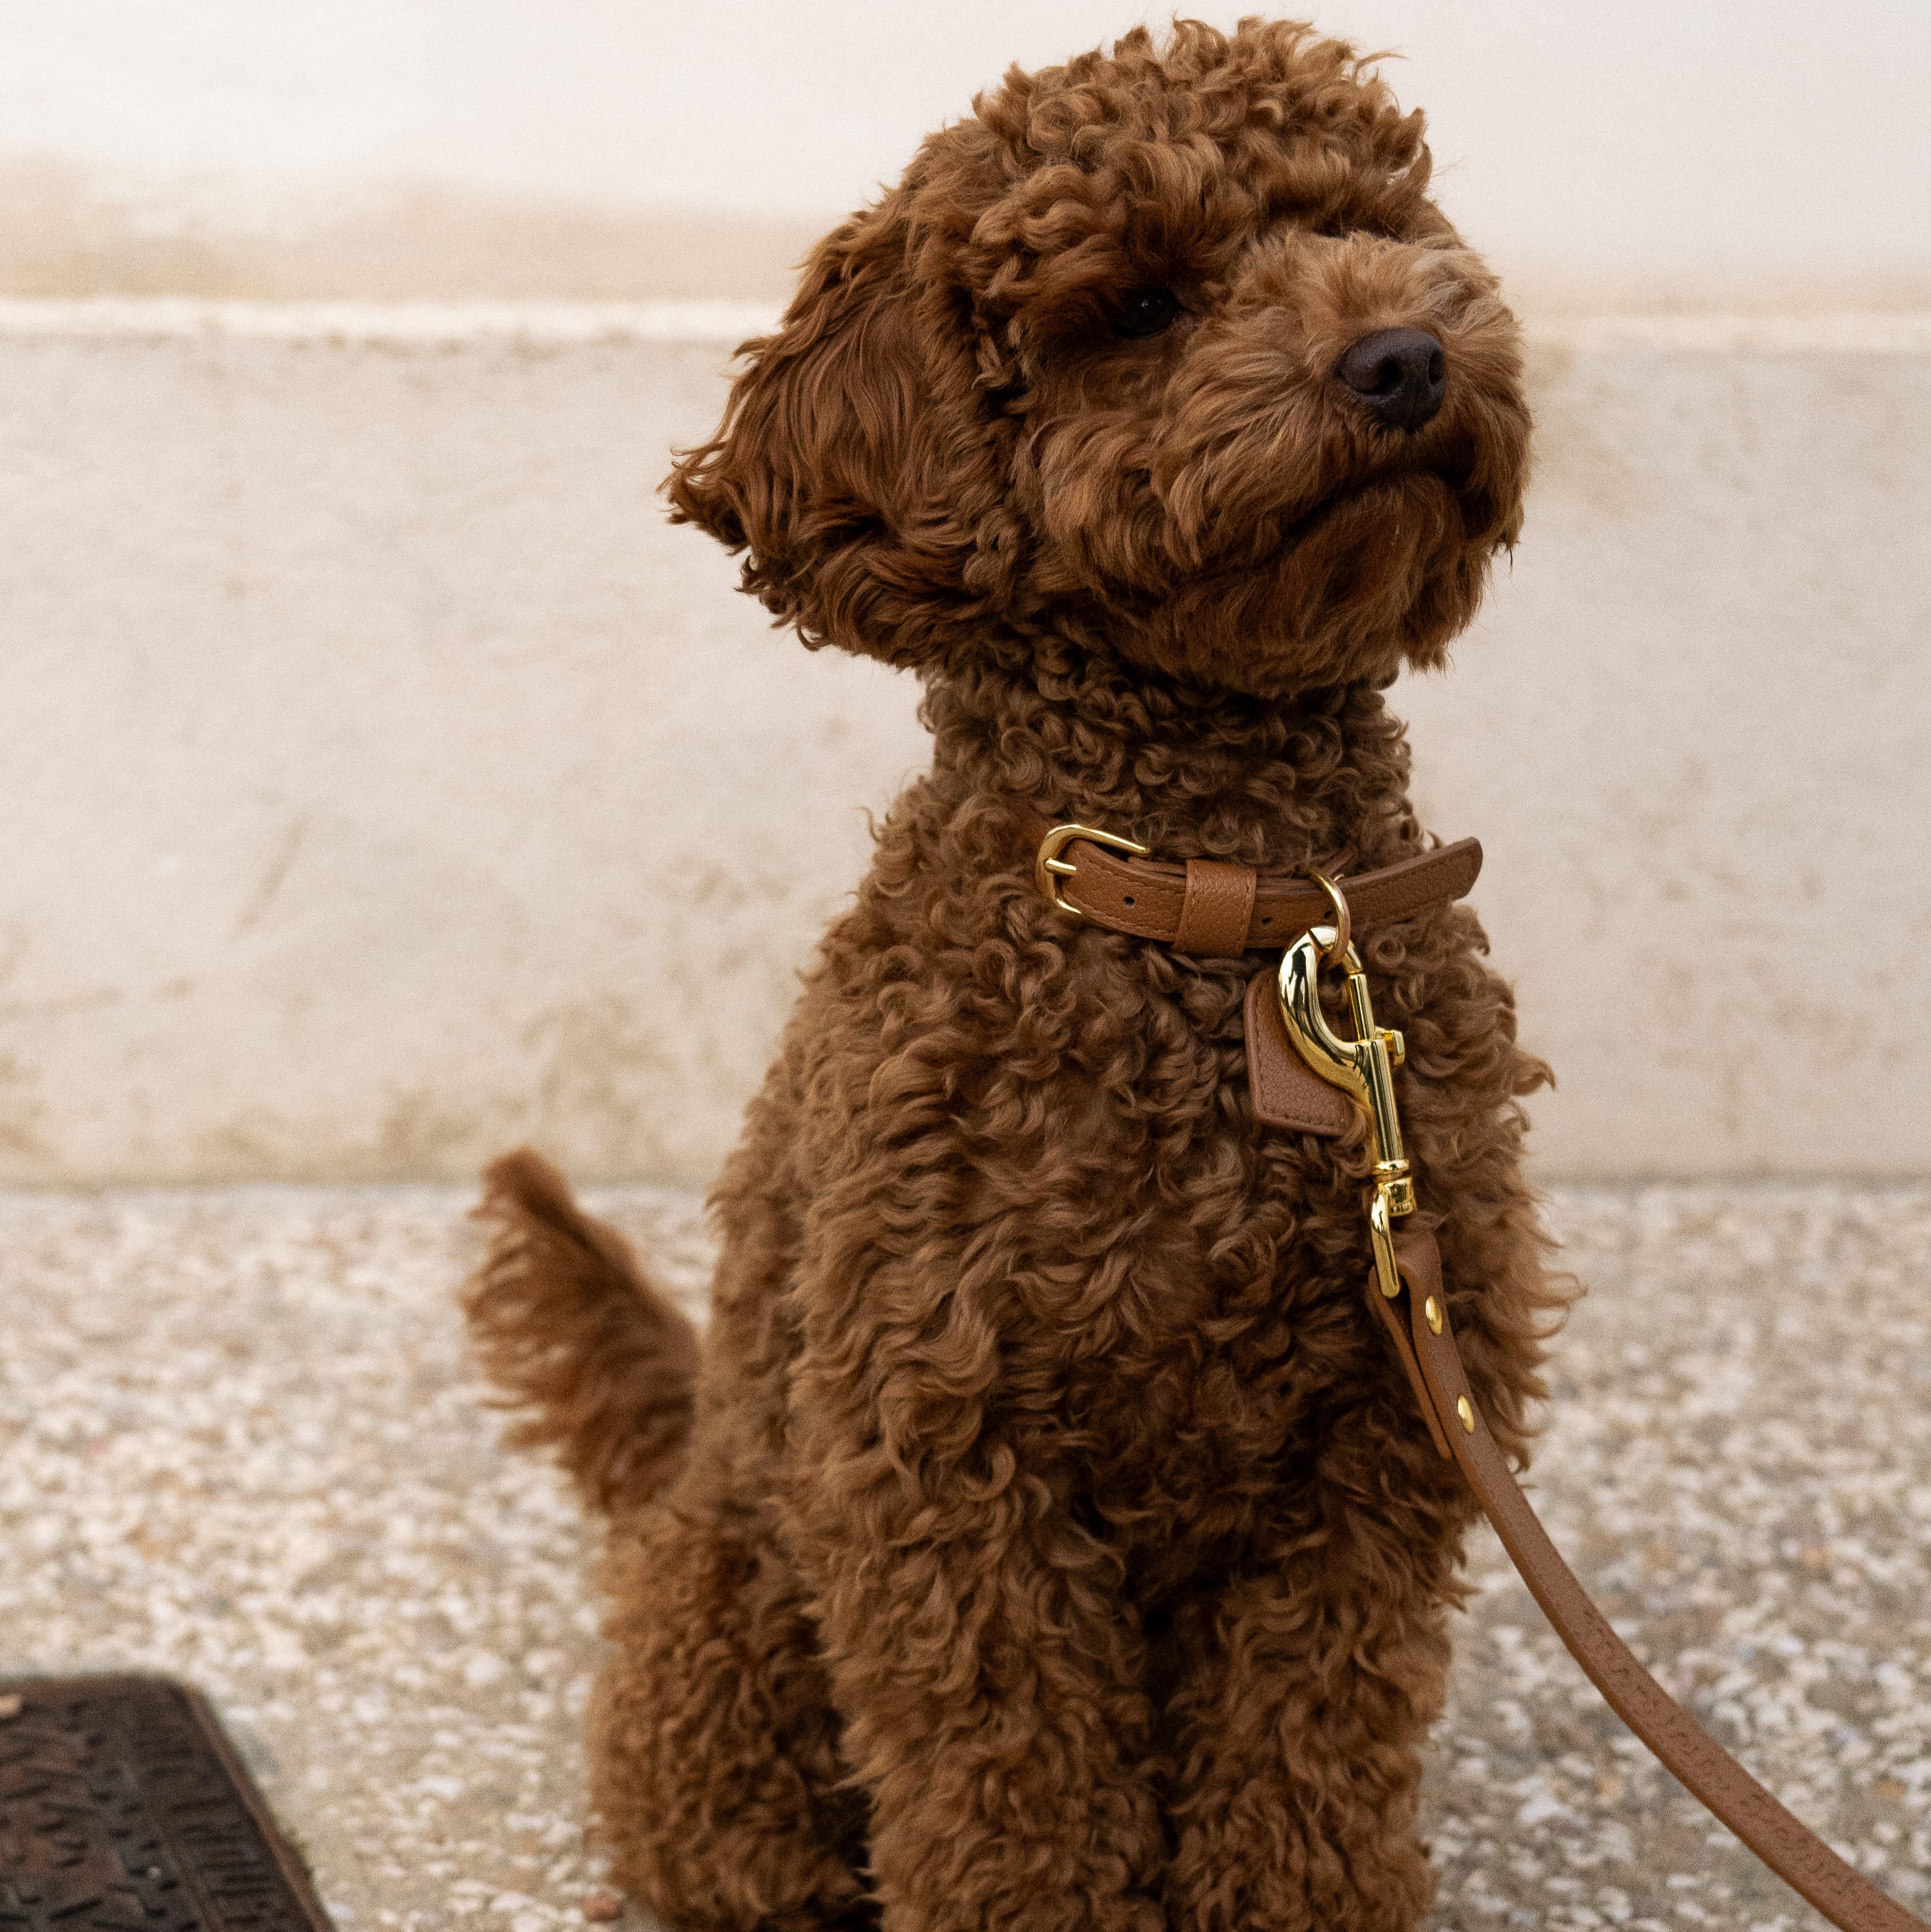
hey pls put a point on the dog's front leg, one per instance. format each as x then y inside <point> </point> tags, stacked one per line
<point>1302,1698</point>
<point>989,1679</point>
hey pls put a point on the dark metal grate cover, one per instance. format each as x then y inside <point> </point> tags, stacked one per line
<point>123,1808</point>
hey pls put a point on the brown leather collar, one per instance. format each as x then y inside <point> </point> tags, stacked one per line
<point>1211,909</point>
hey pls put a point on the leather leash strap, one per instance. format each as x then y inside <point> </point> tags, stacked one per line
<point>1790,1848</point>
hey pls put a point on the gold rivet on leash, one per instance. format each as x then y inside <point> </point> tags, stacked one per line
<point>1432,1309</point>
<point>1336,955</point>
<point>1466,1414</point>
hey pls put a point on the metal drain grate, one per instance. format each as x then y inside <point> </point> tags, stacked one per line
<point>123,1808</point>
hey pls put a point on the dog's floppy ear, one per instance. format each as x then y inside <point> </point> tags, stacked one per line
<point>858,462</point>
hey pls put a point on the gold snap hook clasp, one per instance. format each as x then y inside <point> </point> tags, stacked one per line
<point>1362,1068</point>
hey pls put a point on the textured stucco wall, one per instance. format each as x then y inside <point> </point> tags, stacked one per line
<point>384,782</point>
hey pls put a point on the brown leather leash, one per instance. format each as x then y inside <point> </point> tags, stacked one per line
<point>1211,909</point>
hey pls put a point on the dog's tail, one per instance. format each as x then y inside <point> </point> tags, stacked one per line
<point>567,1328</point>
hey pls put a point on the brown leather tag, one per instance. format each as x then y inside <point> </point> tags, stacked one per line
<point>1286,1092</point>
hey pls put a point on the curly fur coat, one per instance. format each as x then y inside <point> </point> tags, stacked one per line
<point>1044,1536</point>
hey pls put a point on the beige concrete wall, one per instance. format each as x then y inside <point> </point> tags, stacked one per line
<point>384,782</point>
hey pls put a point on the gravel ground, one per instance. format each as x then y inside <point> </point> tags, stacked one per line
<point>239,1443</point>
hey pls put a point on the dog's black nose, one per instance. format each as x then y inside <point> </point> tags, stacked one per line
<point>1401,374</point>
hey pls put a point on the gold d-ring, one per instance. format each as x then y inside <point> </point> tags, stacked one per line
<point>1336,955</point>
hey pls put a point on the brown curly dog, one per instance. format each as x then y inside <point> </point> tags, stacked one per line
<point>1044,1536</point>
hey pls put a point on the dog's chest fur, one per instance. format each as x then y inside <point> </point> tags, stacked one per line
<point>1087,1276</point>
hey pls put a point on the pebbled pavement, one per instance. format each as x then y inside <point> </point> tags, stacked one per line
<point>238,1444</point>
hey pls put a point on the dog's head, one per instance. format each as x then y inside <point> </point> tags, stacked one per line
<point>1170,344</point>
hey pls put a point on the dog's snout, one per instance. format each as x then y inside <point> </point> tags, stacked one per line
<point>1401,374</point>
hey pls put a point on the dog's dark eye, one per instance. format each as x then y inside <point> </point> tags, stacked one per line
<point>1145,312</point>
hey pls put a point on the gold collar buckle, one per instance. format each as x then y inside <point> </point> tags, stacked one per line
<point>1049,862</point>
